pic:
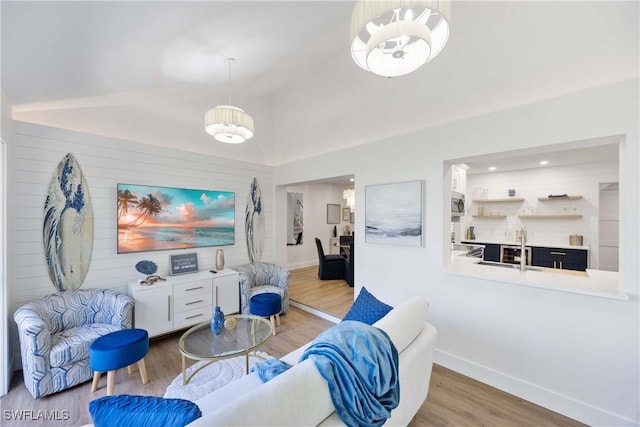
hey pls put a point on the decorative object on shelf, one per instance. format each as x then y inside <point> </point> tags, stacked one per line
<point>480,210</point>
<point>511,192</point>
<point>67,229</point>
<point>393,213</point>
<point>392,37</point>
<point>471,235</point>
<point>479,193</point>
<point>227,123</point>
<point>220,260</point>
<point>346,231</point>
<point>151,280</point>
<point>335,231</point>
<point>254,222</point>
<point>230,323</point>
<point>184,263</point>
<point>148,268</point>
<point>217,322</point>
<point>575,240</point>
<point>561,197</point>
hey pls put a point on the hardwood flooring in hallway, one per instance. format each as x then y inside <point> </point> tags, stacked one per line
<point>333,297</point>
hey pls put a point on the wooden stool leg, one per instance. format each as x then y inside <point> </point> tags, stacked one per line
<point>273,324</point>
<point>111,382</point>
<point>143,371</point>
<point>130,369</point>
<point>278,319</point>
<point>96,381</point>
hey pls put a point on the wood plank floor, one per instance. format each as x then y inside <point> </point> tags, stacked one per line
<point>454,400</point>
<point>333,297</point>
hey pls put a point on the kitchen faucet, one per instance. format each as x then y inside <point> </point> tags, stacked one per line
<point>523,242</point>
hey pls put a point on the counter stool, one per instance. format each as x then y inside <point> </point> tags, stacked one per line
<point>267,304</point>
<point>117,350</point>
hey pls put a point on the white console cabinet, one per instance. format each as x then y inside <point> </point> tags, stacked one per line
<point>183,301</point>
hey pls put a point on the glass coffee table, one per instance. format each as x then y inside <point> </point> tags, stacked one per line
<point>200,343</point>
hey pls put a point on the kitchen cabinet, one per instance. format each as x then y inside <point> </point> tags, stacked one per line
<point>183,301</point>
<point>566,259</point>
<point>491,251</point>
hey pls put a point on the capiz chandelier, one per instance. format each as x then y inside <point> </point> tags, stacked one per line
<point>349,195</point>
<point>228,123</point>
<point>395,37</point>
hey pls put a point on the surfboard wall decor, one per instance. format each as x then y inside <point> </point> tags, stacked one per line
<point>67,229</point>
<point>254,222</point>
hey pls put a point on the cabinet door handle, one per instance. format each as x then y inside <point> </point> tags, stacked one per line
<point>169,308</point>
<point>561,265</point>
<point>558,253</point>
<point>555,264</point>
<point>193,289</point>
<point>194,316</point>
<point>194,302</point>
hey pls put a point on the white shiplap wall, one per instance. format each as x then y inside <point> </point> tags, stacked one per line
<point>37,150</point>
<point>581,179</point>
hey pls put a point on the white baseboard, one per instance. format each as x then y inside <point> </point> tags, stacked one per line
<point>302,264</point>
<point>541,396</point>
<point>315,312</point>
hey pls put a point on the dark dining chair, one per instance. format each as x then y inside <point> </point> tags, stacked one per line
<point>330,267</point>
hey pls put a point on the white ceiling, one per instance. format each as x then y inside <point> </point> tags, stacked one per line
<point>147,71</point>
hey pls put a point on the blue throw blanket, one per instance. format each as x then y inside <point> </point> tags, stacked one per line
<point>270,368</point>
<point>360,364</point>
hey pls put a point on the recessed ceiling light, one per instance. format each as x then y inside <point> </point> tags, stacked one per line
<point>351,179</point>
<point>544,163</point>
<point>492,168</point>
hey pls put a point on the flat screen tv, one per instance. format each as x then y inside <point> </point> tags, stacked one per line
<point>160,218</point>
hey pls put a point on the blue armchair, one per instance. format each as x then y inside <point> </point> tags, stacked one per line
<point>56,331</point>
<point>261,277</point>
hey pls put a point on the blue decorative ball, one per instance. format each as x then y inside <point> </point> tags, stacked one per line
<point>146,267</point>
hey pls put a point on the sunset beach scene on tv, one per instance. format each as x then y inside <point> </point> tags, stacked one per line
<point>159,218</point>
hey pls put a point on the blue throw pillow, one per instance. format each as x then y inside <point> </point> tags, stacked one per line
<point>141,411</point>
<point>367,308</point>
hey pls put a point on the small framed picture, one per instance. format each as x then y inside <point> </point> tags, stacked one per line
<point>184,263</point>
<point>333,214</point>
<point>345,214</point>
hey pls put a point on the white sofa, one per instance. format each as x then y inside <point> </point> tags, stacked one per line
<point>300,396</point>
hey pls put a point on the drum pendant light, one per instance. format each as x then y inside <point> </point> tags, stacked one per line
<point>395,37</point>
<point>228,123</point>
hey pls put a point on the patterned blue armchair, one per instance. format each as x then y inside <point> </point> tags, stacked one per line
<point>261,277</point>
<point>56,331</point>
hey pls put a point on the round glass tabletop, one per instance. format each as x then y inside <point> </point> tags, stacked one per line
<point>249,333</point>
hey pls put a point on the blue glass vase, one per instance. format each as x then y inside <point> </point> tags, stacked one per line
<point>217,322</point>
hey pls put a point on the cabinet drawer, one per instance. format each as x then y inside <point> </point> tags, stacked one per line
<point>186,290</point>
<point>567,259</point>
<point>192,302</point>
<point>192,317</point>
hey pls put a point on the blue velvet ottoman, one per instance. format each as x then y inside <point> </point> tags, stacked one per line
<point>117,350</point>
<point>267,305</point>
